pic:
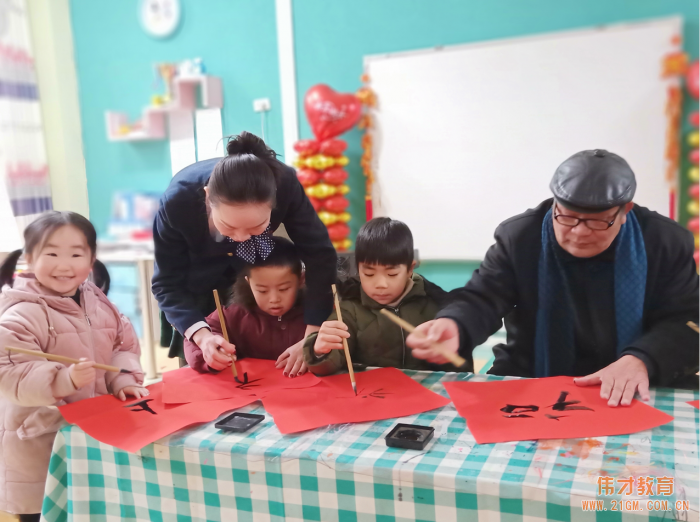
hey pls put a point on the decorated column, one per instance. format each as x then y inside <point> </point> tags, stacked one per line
<point>692,141</point>
<point>320,165</point>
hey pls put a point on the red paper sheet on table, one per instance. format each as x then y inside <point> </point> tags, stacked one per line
<point>187,385</point>
<point>386,393</point>
<point>135,423</point>
<point>695,404</point>
<point>549,408</point>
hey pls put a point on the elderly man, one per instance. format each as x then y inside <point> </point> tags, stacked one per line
<point>590,285</point>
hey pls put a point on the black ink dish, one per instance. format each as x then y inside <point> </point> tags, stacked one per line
<point>239,422</point>
<point>409,436</point>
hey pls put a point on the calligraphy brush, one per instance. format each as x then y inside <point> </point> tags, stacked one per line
<point>351,371</point>
<point>453,357</point>
<point>64,359</point>
<point>224,332</point>
<point>693,326</point>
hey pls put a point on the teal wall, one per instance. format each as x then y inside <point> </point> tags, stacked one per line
<point>331,38</point>
<point>237,40</point>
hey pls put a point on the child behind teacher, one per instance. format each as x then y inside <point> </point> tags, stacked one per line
<point>267,315</point>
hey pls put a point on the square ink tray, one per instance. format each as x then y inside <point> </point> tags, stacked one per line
<point>409,436</point>
<point>239,422</point>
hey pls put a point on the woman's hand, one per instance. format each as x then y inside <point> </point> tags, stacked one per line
<point>330,337</point>
<point>292,360</point>
<point>216,350</point>
<point>137,392</point>
<point>82,373</point>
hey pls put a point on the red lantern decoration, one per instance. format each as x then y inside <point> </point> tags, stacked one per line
<point>338,231</point>
<point>333,147</point>
<point>694,156</point>
<point>335,204</point>
<point>335,176</point>
<point>694,225</point>
<point>329,112</point>
<point>692,79</point>
<point>316,203</point>
<point>694,191</point>
<point>694,119</point>
<point>306,147</point>
<point>308,177</point>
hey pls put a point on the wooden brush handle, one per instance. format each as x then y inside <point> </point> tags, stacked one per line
<point>346,348</point>
<point>451,356</point>
<point>61,358</point>
<point>224,332</point>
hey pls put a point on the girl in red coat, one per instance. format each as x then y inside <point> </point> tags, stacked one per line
<point>267,314</point>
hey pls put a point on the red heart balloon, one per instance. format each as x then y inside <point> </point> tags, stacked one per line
<point>329,112</point>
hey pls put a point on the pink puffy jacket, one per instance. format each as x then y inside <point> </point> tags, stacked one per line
<point>33,317</point>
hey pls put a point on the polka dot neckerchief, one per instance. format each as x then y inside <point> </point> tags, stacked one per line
<point>260,245</point>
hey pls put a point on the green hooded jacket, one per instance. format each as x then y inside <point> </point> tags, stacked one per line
<point>374,339</point>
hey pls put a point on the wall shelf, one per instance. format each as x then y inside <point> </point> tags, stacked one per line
<point>184,99</point>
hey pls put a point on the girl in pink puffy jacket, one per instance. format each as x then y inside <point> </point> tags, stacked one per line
<point>53,309</point>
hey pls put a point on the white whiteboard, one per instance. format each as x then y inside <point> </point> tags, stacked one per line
<point>468,136</point>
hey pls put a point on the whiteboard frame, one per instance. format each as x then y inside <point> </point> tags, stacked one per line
<point>675,21</point>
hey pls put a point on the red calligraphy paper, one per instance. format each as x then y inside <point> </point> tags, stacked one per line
<point>135,423</point>
<point>187,385</point>
<point>695,404</point>
<point>549,408</point>
<point>385,393</point>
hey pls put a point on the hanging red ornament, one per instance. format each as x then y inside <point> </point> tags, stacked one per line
<point>307,147</point>
<point>694,191</point>
<point>333,147</point>
<point>335,204</point>
<point>694,225</point>
<point>692,79</point>
<point>694,119</point>
<point>335,176</point>
<point>338,231</point>
<point>308,177</point>
<point>694,156</point>
<point>315,203</point>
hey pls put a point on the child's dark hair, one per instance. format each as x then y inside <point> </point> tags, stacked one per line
<point>384,241</point>
<point>284,254</point>
<point>39,231</point>
<point>247,175</point>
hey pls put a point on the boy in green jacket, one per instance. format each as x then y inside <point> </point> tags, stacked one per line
<point>384,257</point>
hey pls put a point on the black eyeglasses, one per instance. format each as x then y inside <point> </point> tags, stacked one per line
<point>593,224</point>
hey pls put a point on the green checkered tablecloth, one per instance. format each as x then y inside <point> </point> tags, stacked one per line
<point>347,473</point>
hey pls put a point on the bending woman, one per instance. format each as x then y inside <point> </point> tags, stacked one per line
<point>216,216</point>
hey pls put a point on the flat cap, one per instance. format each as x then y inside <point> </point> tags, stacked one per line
<point>593,181</point>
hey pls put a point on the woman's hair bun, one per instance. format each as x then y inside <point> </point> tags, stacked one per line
<point>247,143</point>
